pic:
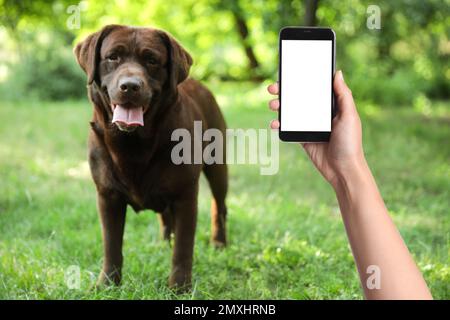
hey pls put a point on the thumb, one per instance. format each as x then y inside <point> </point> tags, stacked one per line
<point>343,94</point>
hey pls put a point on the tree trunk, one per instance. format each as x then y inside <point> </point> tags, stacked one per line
<point>310,12</point>
<point>243,32</point>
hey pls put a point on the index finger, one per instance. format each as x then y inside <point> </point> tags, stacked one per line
<point>273,88</point>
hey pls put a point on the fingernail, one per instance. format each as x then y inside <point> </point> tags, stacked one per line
<point>272,124</point>
<point>342,74</point>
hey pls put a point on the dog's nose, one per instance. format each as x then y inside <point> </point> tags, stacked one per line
<point>129,84</point>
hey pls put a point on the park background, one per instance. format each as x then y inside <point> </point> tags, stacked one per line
<point>287,239</point>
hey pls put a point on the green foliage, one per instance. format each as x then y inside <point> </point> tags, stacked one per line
<point>47,70</point>
<point>407,58</point>
<point>287,239</point>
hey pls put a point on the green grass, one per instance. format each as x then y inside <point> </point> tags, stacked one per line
<point>287,239</point>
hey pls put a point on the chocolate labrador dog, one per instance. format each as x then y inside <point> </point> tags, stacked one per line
<point>139,87</point>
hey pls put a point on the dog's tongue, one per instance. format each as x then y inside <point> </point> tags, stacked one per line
<point>129,117</point>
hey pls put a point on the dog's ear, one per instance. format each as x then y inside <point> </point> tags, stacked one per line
<point>180,61</point>
<point>87,52</point>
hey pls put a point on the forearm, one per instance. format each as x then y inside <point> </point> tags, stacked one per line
<point>374,239</point>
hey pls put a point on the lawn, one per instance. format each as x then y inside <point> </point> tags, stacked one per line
<point>287,240</point>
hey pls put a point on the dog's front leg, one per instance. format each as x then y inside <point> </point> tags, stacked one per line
<point>185,218</point>
<point>112,210</point>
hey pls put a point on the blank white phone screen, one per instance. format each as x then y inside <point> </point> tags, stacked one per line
<point>306,85</point>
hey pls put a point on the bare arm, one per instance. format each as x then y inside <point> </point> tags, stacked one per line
<point>377,246</point>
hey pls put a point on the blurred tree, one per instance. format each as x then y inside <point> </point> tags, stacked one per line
<point>45,12</point>
<point>240,19</point>
<point>310,12</point>
<point>237,39</point>
<point>23,16</point>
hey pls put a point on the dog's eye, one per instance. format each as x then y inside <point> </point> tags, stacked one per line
<point>113,57</point>
<point>152,61</point>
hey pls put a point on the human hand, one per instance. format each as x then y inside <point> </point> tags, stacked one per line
<point>343,153</point>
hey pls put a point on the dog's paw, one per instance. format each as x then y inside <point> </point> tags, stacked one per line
<point>108,279</point>
<point>219,239</point>
<point>219,243</point>
<point>180,282</point>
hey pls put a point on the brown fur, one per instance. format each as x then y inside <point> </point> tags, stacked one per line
<point>135,168</point>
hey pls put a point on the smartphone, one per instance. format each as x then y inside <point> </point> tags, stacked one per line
<point>306,69</point>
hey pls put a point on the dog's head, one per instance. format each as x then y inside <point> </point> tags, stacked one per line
<point>132,68</point>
